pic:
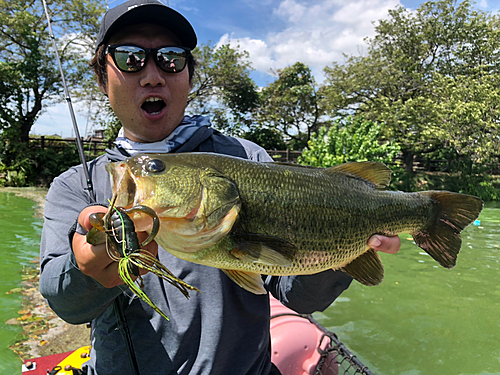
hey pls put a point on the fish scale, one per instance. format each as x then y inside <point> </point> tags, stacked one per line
<point>249,218</point>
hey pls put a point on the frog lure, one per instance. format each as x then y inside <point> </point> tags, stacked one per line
<point>117,230</point>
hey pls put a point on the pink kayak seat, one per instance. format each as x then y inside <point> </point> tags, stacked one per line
<point>294,342</point>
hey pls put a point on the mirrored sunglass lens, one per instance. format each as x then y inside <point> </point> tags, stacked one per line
<point>171,59</point>
<point>129,58</point>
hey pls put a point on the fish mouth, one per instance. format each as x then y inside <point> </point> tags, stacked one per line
<point>153,105</point>
<point>123,184</point>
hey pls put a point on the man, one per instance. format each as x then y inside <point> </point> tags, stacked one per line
<point>223,330</point>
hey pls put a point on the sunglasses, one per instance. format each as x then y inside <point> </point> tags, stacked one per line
<point>129,58</point>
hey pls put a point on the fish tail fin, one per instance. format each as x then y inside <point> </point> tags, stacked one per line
<point>452,213</point>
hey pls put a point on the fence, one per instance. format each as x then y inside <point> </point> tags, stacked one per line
<point>286,156</point>
<point>92,147</point>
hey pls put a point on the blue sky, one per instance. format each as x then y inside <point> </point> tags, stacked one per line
<point>277,33</point>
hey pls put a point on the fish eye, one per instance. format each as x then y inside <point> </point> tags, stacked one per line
<point>155,166</point>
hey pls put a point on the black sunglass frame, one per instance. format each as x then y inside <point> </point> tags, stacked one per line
<point>111,49</point>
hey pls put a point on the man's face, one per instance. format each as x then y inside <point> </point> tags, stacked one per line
<point>134,96</point>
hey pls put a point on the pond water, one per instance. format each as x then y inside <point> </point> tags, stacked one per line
<point>20,241</point>
<point>423,319</point>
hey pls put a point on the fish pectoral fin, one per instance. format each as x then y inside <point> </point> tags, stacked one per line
<point>251,282</point>
<point>367,268</point>
<point>267,250</point>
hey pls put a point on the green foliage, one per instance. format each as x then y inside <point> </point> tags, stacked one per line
<point>22,165</point>
<point>50,163</point>
<point>474,182</point>
<point>353,139</point>
<point>471,178</point>
<point>269,139</point>
<point>430,76</point>
<point>290,106</point>
<point>480,186</point>
<point>105,118</point>
<point>30,79</point>
<point>29,75</point>
<point>222,87</point>
<point>472,114</point>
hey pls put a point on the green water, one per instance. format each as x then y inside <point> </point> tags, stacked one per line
<point>424,319</point>
<point>20,240</point>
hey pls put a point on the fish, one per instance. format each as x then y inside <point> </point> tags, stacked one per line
<point>251,218</point>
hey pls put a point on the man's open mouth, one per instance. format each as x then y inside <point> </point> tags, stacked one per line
<point>153,105</point>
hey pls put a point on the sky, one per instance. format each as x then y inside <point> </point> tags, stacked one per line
<point>276,33</point>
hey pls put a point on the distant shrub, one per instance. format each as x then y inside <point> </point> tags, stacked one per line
<point>350,139</point>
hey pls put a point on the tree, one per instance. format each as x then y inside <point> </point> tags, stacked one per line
<point>29,75</point>
<point>471,106</point>
<point>223,88</point>
<point>290,105</point>
<point>269,139</point>
<point>431,77</point>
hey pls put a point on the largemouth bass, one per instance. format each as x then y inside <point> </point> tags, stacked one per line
<point>249,218</point>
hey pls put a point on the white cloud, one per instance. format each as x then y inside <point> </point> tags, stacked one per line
<point>291,10</point>
<point>57,120</point>
<point>316,33</point>
<point>260,52</point>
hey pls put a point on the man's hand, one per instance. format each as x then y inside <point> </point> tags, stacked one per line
<point>389,245</point>
<point>94,261</point>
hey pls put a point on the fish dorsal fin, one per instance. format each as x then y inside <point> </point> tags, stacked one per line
<point>376,173</point>
<point>263,249</point>
<point>367,268</point>
<point>251,282</point>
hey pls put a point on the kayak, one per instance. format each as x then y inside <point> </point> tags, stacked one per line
<point>302,346</point>
<point>69,363</point>
<point>299,346</point>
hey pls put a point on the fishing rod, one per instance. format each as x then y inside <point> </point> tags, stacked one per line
<point>118,308</point>
<point>79,143</point>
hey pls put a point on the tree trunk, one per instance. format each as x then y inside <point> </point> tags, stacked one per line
<point>30,118</point>
<point>25,131</point>
<point>408,161</point>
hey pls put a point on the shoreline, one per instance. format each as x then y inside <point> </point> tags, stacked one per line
<point>44,333</point>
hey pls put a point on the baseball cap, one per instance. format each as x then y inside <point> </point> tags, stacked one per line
<point>146,11</point>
